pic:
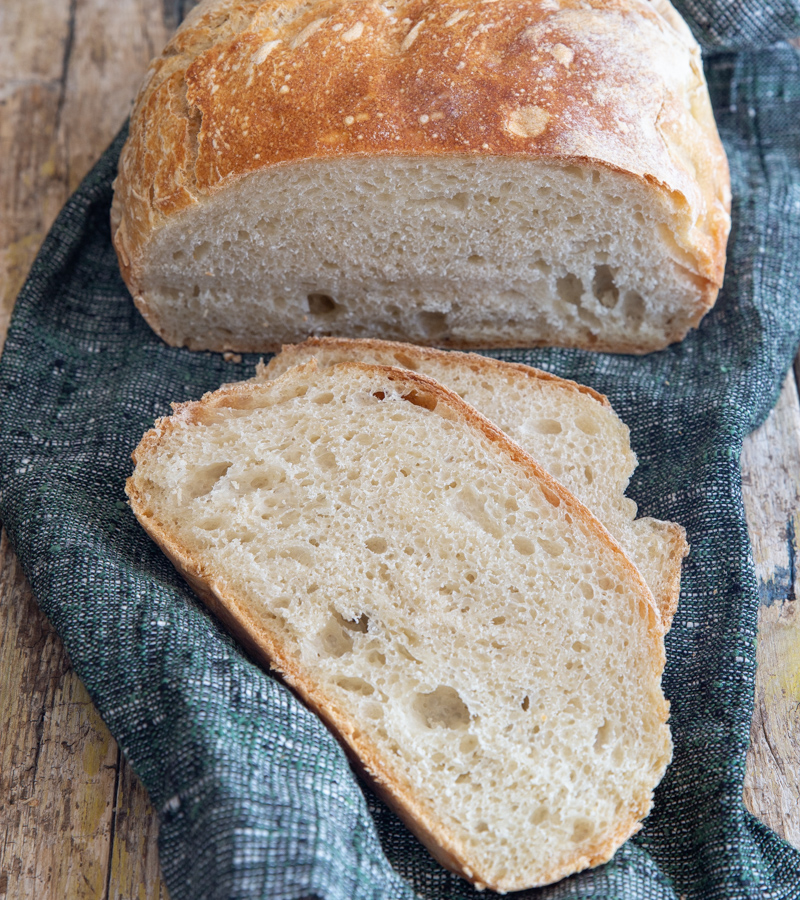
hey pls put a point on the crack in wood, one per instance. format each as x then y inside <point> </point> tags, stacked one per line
<point>113,827</point>
<point>765,732</point>
<point>69,43</point>
<point>39,731</point>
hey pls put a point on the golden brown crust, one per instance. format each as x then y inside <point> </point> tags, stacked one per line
<point>264,645</point>
<point>675,536</point>
<point>247,85</point>
<point>473,361</point>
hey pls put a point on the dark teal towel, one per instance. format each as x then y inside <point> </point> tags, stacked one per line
<point>256,799</point>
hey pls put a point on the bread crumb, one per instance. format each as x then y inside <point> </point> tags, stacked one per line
<point>229,356</point>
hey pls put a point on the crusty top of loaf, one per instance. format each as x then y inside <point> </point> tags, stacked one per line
<point>245,85</point>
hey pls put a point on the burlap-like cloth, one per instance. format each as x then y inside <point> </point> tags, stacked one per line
<point>255,797</point>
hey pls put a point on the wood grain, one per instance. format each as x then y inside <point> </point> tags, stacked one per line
<point>771,488</point>
<point>58,763</point>
<point>74,820</point>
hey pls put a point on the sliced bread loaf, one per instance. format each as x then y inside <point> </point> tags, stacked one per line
<point>485,651</point>
<point>570,430</point>
<point>459,173</point>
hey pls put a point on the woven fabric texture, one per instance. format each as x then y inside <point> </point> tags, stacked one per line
<point>741,24</point>
<point>256,800</point>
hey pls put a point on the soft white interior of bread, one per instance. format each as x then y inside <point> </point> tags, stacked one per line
<point>455,251</point>
<point>579,441</point>
<point>494,653</point>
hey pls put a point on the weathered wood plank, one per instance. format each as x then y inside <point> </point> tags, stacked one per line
<point>135,870</point>
<point>33,44</point>
<point>74,820</point>
<point>771,487</point>
<point>112,46</point>
<point>58,763</point>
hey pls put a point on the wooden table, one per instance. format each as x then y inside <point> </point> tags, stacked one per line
<point>74,820</point>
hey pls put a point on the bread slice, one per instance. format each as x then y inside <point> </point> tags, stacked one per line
<point>457,173</point>
<point>570,430</point>
<point>485,651</point>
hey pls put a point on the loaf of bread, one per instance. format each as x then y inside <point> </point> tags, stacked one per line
<point>453,173</point>
<point>484,650</point>
<point>569,429</point>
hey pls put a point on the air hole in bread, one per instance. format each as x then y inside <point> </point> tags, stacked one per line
<point>471,503</point>
<point>355,686</point>
<point>326,460</point>
<point>552,548</point>
<point>524,545</point>
<point>540,815</point>
<point>476,259</point>
<point>582,830</point>
<point>405,361</point>
<point>406,654</point>
<point>570,289</point>
<point>604,288</point>
<point>433,324</point>
<point>589,318</point>
<point>442,708</point>
<point>548,426</point>
<point>334,639</point>
<point>587,424</point>
<point>603,736</point>
<point>633,307</point>
<point>212,524</point>
<point>201,250</point>
<point>301,555</point>
<point>526,704</point>
<point>552,498</point>
<point>321,304</point>
<point>204,479</point>
<point>426,401</point>
<point>377,544</point>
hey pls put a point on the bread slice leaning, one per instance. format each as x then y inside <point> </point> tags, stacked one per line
<point>489,657</point>
<point>570,430</point>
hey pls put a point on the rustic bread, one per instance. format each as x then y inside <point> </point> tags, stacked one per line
<point>482,647</point>
<point>570,430</point>
<point>458,173</point>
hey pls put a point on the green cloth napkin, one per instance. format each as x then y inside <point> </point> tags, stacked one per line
<point>255,798</point>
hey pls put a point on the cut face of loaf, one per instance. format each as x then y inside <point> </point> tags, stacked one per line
<point>487,654</point>
<point>570,430</point>
<point>464,174</point>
